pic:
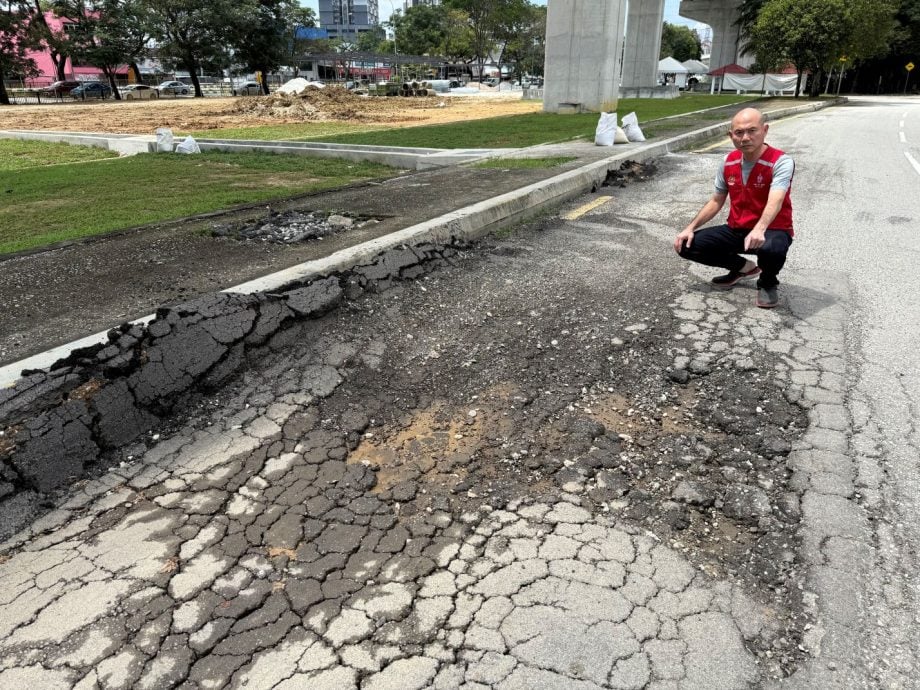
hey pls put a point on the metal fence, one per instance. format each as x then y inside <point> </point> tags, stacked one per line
<point>30,93</point>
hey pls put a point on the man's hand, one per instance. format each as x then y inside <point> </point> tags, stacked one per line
<point>685,236</point>
<point>754,240</point>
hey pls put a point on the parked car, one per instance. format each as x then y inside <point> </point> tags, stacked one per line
<point>173,88</point>
<point>139,92</point>
<point>248,88</point>
<point>58,88</point>
<point>92,89</point>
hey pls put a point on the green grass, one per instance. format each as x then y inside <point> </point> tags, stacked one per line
<point>524,163</point>
<point>511,131</point>
<point>19,155</point>
<point>514,131</point>
<point>39,206</point>
<point>287,132</point>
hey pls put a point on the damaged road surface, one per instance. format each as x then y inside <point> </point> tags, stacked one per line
<point>556,461</point>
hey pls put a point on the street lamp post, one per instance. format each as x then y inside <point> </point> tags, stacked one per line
<point>395,52</point>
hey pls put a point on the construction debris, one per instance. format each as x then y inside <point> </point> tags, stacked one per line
<point>630,171</point>
<point>332,103</point>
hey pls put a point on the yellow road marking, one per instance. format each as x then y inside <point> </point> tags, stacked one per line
<point>590,206</point>
<point>717,145</point>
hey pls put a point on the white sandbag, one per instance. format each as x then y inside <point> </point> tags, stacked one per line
<point>620,137</point>
<point>165,142</point>
<point>632,129</point>
<point>188,145</point>
<point>606,130</point>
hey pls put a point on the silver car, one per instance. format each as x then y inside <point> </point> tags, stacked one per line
<point>173,88</point>
<point>139,92</point>
<point>248,88</point>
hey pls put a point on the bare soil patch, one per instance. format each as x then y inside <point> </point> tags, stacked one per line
<point>331,104</point>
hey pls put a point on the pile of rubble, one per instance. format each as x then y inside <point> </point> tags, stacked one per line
<point>291,227</point>
<point>331,103</point>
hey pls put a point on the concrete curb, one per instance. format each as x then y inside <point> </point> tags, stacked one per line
<point>394,156</point>
<point>124,144</point>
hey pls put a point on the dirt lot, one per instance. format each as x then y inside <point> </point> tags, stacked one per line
<point>187,114</point>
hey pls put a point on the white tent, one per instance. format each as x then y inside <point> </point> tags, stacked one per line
<point>695,67</point>
<point>671,66</point>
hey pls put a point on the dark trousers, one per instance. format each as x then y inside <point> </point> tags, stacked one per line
<point>721,246</point>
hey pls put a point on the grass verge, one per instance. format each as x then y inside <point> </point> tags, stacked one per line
<point>511,131</point>
<point>40,206</point>
<point>287,132</point>
<point>524,163</point>
<point>19,155</point>
<point>529,130</point>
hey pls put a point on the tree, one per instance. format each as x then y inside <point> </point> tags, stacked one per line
<point>867,29</point>
<point>191,32</point>
<point>870,27</point>
<point>748,11</point>
<point>810,35</point>
<point>489,21</point>
<point>525,47</point>
<point>373,41</point>
<point>458,39</point>
<point>106,34</point>
<point>56,42</point>
<point>680,42</point>
<point>259,36</point>
<point>296,36</point>
<point>17,36</point>
<point>421,30</point>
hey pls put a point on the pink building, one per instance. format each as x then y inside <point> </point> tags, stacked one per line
<point>73,72</point>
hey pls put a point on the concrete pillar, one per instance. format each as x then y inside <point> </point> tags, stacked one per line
<point>721,15</point>
<point>643,42</point>
<point>583,43</point>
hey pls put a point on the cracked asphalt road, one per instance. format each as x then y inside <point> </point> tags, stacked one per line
<point>535,469</point>
<point>563,462</point>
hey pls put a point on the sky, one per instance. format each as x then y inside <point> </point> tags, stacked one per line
<point>385,8</point>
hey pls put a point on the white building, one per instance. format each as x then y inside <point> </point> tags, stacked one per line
<point>348,18</point>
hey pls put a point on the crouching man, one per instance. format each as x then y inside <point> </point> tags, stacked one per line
<point>757,180</point>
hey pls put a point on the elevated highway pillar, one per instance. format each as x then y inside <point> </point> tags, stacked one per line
<point>584,39</point>
<point>721,15</point>
<point>643,42</point>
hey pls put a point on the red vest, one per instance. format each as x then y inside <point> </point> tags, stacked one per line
<point>749,200</point>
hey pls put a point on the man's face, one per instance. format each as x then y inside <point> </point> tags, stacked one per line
<point>747,133</point>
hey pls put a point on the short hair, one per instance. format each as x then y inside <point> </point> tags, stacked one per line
<point>761,121</point>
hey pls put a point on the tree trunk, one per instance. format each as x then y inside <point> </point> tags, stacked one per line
<point>192,66</point>
<point>110,75</point>
<point>59,61</point>
<point>798,82</point>
<point>263,83</point>
<point>4,96</point>
<point>814,84</point>
<point>137,71</point>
